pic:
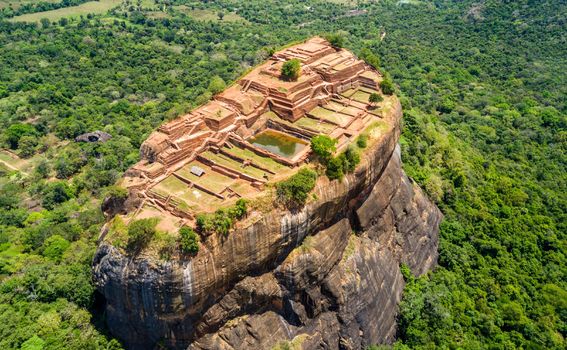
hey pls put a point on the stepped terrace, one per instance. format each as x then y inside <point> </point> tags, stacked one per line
<point>254,133</point>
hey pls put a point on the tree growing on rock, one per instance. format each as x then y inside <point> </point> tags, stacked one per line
<point>324,147</point>
<point>291,70</point>
<point>140,233</point>
<point>337,40</point>
<point>216,85</point>
<point>387,86</point>
<point>335,167</point>
<point>294,191</point>
<point>189,240</point>
<point>375,98</point>
<point>369,57</point>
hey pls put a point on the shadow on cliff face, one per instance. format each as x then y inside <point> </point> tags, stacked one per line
<point>98,312</point>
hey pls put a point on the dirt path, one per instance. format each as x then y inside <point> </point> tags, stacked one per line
<point>8,165</point>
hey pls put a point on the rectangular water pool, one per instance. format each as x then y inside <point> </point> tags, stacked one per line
<point>278,143</point>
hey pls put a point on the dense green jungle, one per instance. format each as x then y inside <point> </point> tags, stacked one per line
<point>483,84</point>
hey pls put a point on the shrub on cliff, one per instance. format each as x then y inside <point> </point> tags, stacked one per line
<point>337,40</point>
<point>370,58</point>
<point>351,160</point>
<point>223,219</point>
<point>189,240</point>
<point>293,192</point>
<point>387,86</point>
<point>140,233</point>
<point>291,70</point>
<point>324,147</point>
<point>335,167</point>
<point>239,210</point>
<point>375,98</point>
<point>362,141</point>
<point>216,85</point>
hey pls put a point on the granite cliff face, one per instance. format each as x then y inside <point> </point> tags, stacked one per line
<point>326,276</point>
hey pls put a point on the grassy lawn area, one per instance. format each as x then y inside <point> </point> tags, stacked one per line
<point>265,162</point>
<point>375,130</point>
<point>16,4</point>
<point>322,113</point>
<point>315,125</point>
<point>335,106</point>
<point>339,107</point>
<point>352,111</point>
<point>95,7</point>
<point>348,93</point>
<point>388,104</point>
<point>243,188</point>
<point>361,96</point>
<point>15,163</point>
<point>192,196</point>
<point>209,15</point>
<point>211,180</point>
<point>221,159</point>
<point>365,89</point>
<point>171,185</point>
<point>330,116</point>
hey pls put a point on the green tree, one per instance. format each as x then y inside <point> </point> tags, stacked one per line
<point>335,168</point>
<point>33,343</point>
<point>291,70</point>
<point>239,210</point>
<point>17,131</point>
<point>189,240</point>
<point>54,247</point>
<point>362,141</point>
<point>294,191</point>
<point>69,162</point>
<point>216,85</point>
<point>140,233</point>
<point>387,86</point>
<point>43,169</point>
<point>27,145</point>
<point>324,147</point>
<point>336,39</point>
<point>45,22</point>
<point>370,58</point>
<point>375,98</point>
<point>352,159</point>
<point>56,193</point>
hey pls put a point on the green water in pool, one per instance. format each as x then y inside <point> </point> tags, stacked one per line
<point>278,143</point>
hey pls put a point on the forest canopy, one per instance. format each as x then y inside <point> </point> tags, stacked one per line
<point>483,87</point>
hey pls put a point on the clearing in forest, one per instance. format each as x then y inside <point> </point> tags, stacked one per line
<point>95,7</point>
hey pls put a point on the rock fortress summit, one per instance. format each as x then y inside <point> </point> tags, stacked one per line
<point>326,275</point>
<point>254,132</point>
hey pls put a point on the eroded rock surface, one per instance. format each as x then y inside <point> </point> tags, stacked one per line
<point>339,289</point>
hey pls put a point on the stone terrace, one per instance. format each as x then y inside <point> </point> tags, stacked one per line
<point>213,155</point>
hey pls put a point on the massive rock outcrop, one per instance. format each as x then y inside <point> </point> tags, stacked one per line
<point>326,276</point>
